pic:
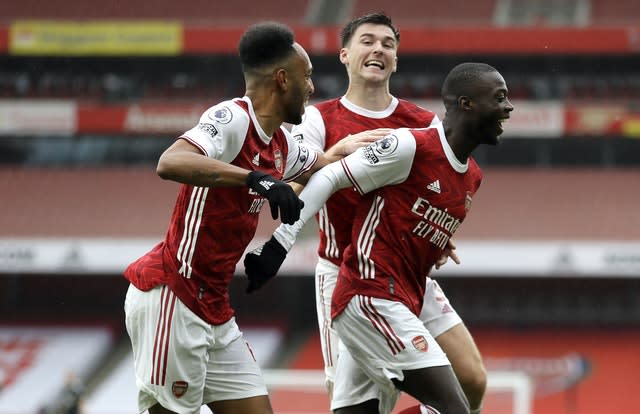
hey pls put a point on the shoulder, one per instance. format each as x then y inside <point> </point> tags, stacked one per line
<point>416,110</point>
<point>227,112</point>
<point>328,105</point>
<point>424,134</point>
<point>400,143</point>
<point>475,171</point>
<point>227,115</point>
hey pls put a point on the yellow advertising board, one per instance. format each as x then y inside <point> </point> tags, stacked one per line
<point>94,38</point>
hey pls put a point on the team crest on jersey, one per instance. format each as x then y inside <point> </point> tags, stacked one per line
<point>179,388</point>
<point>210,129</point>
<point>386,145</point>
<point>277,160</point>
<point>467,202</point>
<point>420,343</point>
<point>299,138</point>
<point>221,115</point>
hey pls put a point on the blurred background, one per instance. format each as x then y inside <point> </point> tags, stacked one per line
<point>92,92</point>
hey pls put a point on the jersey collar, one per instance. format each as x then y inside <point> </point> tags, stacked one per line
<point>451,156</point>
<point>368,113</point>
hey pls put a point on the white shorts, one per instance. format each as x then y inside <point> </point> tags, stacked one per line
<point>183,362</point>
<point>382,338</point>
<point>437,314</point>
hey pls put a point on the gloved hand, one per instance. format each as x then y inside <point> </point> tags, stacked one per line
<point>263,263</point>
<point>280,195</point>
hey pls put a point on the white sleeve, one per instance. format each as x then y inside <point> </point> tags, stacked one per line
<point>221,131</point>
<point>384,162</point>
<point>311,131</point>
<point>321,185</point>
<point>300,158</point>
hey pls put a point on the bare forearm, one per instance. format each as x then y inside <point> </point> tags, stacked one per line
<point>195,169</point>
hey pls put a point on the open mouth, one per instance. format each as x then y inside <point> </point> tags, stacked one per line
<point>501,125</point>
<point>374,63</point>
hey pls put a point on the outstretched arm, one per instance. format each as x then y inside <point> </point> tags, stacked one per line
<point>387,161</point>
<point>264,262</point>
<point>346,146</point>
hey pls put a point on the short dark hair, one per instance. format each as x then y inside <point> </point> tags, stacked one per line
<point>374,18</point>
<point>462,80</point>
<point>265,43</point>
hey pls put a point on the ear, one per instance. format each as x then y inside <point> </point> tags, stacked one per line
<point>280,77</point>
<point>344,56</point>
<point>465,103</point>
<point>395,64</point>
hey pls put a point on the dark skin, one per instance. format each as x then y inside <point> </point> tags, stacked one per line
<point>470,120</point>
<point>475,119</point>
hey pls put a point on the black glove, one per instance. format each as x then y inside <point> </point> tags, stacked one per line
<point>280,195</point>
<point>263,263</point>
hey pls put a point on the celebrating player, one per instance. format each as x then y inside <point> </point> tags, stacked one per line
<point>188,350</point>
<point>401,226</point>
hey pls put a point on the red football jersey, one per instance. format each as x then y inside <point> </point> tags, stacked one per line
<point>328,122</point>
<point>210,228</point>
<point>417,194</point>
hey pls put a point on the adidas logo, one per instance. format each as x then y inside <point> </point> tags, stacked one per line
<point>266,184</point>
<point>434,186</point>
<point>256,159</point>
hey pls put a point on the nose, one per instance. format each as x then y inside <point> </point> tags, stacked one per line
<point>509,106</point>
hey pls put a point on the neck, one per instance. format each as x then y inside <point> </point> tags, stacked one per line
<point>457,135</point>
<point>264,104</point>
<point>371,97</point>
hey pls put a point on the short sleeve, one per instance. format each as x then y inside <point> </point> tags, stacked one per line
<point>220,132</point>
<point>300,158</point>
<point>311,131</point>
<point>385,162</point>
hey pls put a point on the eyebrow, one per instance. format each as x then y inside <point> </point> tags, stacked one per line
<point>391,38</point>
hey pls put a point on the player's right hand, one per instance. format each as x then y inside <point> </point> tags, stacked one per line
<point>263,263</point>
<point>448,252</point>
<point>281,196</point>
<point>352,142</point>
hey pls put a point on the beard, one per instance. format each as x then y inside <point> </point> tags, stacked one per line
<point>295,108</point>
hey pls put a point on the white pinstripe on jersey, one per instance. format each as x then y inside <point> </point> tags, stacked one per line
<point>324,222</point>
<point>366,238</point>
<point>192,219</point>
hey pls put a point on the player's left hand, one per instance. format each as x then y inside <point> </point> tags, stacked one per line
<point>449,252</point>
<point>263,263</point>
